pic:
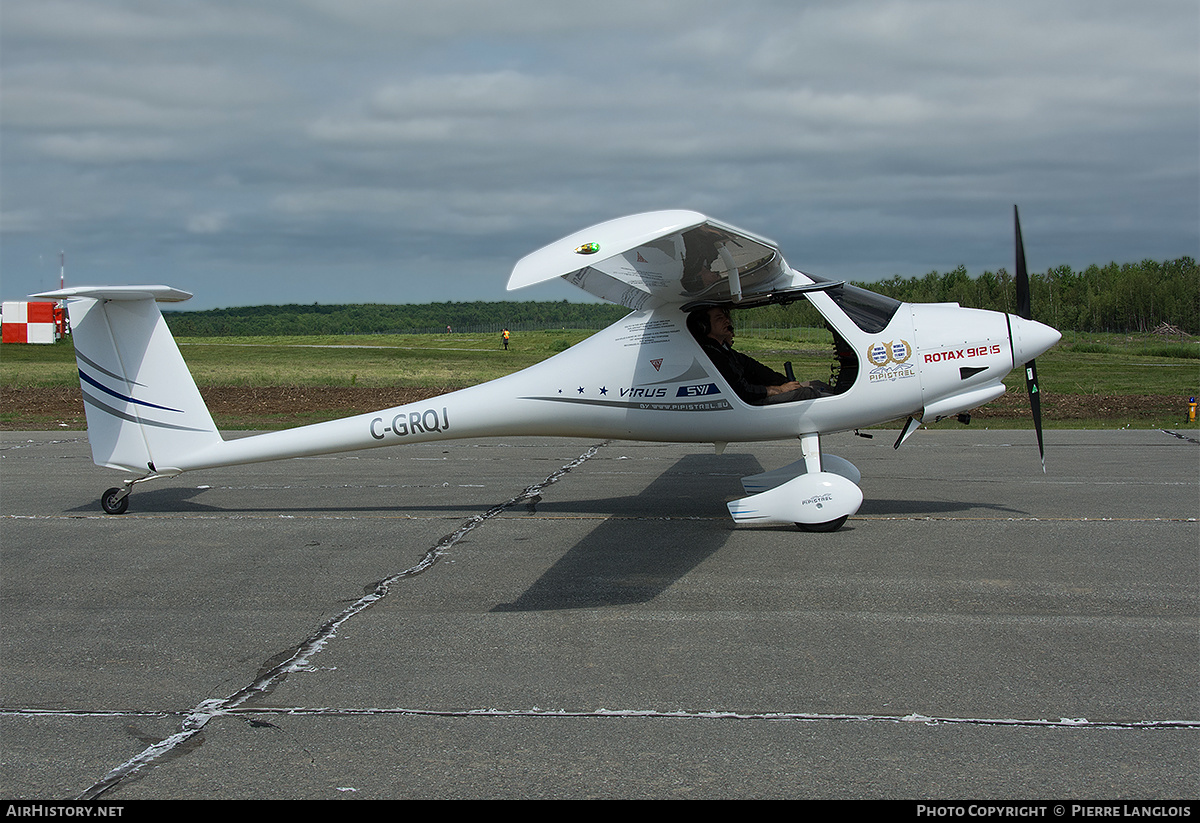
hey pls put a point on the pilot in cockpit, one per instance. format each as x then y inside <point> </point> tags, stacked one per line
<point>755,383</point>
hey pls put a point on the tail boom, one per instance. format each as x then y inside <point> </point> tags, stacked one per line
<point>146,416</point>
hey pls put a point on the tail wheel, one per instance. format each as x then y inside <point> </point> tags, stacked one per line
<point>115,501</point>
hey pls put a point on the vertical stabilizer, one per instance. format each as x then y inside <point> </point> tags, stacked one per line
<point>143,409</point>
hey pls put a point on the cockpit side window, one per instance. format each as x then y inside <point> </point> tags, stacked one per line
<point>753,381</point>
<point>871,312</point>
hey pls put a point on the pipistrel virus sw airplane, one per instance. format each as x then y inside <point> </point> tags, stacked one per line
<point>646,377</point>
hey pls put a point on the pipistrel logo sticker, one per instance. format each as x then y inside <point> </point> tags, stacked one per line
<point>890,360</point>
<point>656,363</point>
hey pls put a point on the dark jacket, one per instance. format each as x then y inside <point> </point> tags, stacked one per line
<point>747,376</point>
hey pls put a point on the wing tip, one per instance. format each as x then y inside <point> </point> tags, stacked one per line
<point>594,244</point>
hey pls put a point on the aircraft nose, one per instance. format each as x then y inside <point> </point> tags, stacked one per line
<point>1030,338</point>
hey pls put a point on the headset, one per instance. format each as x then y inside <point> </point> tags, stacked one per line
<point>698,323</point>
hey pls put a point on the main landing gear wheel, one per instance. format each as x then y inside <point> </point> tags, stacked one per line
<point>831,526</point>
<point>115,501</point>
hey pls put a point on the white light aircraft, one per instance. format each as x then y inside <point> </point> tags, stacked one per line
<point>646,377</point>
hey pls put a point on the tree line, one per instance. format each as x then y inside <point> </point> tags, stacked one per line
<point>1129,298</point>
<point>379,318</point>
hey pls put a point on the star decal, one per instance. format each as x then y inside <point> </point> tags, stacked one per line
<point>583,390</point>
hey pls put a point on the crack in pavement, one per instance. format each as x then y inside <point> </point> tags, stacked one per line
<point>301,656</point>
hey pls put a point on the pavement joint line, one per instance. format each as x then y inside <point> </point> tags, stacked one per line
<point>1072,722</point>
<point>539,516</point>
<point>648,714</point>
<point>300,659</point>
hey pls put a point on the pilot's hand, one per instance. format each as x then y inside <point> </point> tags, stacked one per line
<point>786,387</point>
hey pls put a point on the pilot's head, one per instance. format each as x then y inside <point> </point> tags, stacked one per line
<point>712,322</point>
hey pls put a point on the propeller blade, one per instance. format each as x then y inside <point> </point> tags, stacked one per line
<point>1024,310</point>
<point>1035,404</point>
<point>1022,274</point>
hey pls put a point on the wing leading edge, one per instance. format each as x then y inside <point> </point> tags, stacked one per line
<point>646,260</point>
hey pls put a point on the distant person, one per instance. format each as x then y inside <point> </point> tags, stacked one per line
<point>755,383</point>
<point>505,337</point>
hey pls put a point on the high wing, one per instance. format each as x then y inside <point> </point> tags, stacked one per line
<point>659,258</point>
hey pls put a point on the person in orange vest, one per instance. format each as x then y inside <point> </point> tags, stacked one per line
<point>505,336</point>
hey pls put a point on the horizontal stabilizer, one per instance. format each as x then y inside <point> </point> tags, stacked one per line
<point>161,294</point>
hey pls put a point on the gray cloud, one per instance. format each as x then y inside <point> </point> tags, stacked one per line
<point>361,150</point>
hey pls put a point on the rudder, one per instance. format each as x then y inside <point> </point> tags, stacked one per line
<point>143,409</point>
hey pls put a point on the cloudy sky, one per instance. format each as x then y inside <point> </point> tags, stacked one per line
<point>350,151</point>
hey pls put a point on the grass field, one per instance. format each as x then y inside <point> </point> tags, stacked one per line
<point>1130,381</point>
